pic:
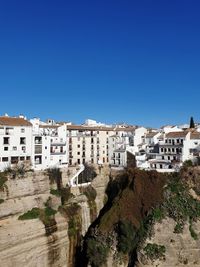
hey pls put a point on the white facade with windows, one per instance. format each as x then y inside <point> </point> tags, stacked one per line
<point>49,144</point>
<point>15,141</point>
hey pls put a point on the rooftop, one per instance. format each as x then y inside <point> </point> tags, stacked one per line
<point>14,121</point>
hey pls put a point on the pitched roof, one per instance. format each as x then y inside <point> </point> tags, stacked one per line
<point>151,134</point>
<point>14,121</point>
<point>195,135</point>
<point>89,128</point>
<point>176,134</point>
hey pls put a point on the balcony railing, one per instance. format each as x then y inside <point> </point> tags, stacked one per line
<point>58,153</point>
<point>58,143</point>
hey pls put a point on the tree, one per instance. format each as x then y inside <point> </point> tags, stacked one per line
<point>192,122</point>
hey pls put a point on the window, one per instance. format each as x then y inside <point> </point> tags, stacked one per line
<point>14,160</point>
<point>22,130</point>
<point>38,149</point>
<point>79,161</point>
<point>6,148</point>
<point>78,153</point>
<point>24,149</point>
<point>22,140</point>
<point>14,148</point>
<point>38,160</point>
<point>4,159</point>
<point>6,140</point>
<point>28,158</point>
<point>22,158</point>
<point>78,146</point>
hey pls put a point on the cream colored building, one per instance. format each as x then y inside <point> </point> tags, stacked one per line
<point>88,144</point>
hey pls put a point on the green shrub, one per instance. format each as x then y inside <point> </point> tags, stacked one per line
<point>126,237</point>
<point>158,214</point>
<point>34,213</point>
<point>97,252</point>
<point>192,232</point>
<point>187,163</point>
<point>178,228</point>
<point>55,192</point>
<point>19,169</point>
<point>154,251</point>
<point>3,180</point>
<point>1,200</point>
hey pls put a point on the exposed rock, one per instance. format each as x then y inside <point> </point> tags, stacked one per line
<point>181,249</point>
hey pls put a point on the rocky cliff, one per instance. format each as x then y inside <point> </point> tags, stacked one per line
<point>150,219</point>
<point>41,221</point>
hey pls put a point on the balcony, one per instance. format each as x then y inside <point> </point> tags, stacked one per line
<point>58,143</point>
<point>58,153</point>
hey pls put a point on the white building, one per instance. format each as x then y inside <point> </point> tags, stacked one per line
<point>49,143</point>
<point>118,145</point>
<point>15,141</point>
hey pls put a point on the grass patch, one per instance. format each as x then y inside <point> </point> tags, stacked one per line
<point>192,232</point>
<point>34,213</point>
<point>55,192</point>
<point>3,180</point>
<point>155,251</point>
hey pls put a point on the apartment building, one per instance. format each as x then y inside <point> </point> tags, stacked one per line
<point>49,143</point>
<point>118,144</point>
<point>15,141</point>
<point>88,144</point>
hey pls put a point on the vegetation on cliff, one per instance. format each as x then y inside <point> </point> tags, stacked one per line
<point>130,197</point>
<point>46,215</point>
<point>135,201</point>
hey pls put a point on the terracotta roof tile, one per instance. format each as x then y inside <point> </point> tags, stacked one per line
<point>13,121</point>
<point>176,134</point>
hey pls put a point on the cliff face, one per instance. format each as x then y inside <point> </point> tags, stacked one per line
<point>181,249</point>
<point>150,219</point>
<point>25,242</point>
<point>50,239</point>
<point>178,231</point>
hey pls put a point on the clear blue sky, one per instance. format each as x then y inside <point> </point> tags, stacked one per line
<point>134,61</point>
